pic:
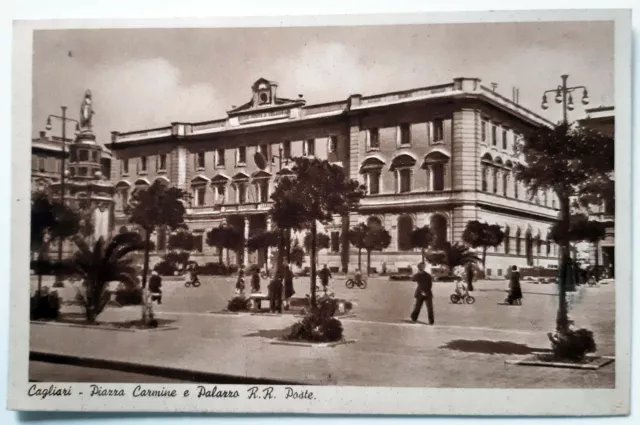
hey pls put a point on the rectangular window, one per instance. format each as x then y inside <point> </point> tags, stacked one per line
<point>516,189</point>
<point>405,181</point>
<point>504,139</point>
<point>199,194</point>
<point>286,150</point>
<point>124,166</point>
<point>505,183</point>
<point>263,188</point>
<point>374,183</point>
<point>220,193</point>
<point>94,156</point>
<point>83,155</point>
<point>143,164</point>
<point>219,157</point>
<point>335,241</point>
<point>242,193</point>
<point>373,139</point>
<point>310,147</point>
<point>162,162</point>
<point>41,164</point>
<point>333,144</point>
<point>200,160</point>
<point>405,135</point>
<point>242,155</point>
<point>197,242</point>
<point>438,130</point>
<point>494,135</point>
<point>483,130</point>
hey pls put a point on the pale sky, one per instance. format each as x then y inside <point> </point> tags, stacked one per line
<point>145,78</point>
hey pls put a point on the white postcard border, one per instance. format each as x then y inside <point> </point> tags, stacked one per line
<point>328,400</point>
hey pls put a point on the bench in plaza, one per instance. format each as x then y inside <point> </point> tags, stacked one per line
<point>255,300</point>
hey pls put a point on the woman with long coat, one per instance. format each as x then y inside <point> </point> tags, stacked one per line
<point>288,285</point>
<point>515,290</point>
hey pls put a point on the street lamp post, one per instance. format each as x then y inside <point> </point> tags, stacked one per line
<point>563,95</point>
<point>63,171</point>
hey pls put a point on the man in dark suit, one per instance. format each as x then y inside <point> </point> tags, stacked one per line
<point>423,294</point>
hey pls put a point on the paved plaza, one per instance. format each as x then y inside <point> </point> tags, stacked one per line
<point>466,348</point>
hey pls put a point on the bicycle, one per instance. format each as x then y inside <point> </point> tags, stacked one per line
<point>461,295</point>
<point>350,283</point>
<point>195,283</point>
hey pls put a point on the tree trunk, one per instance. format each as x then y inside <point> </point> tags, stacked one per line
<point>562,319</point>
<point>368,262</point>
<point>146,318</point>
<point>423,254</point>
<point>360,259</point>
<point>314,235</point>
<point>288,245</point>
<point>220,254</point>
<point>228,260</point>
<point>484,257</point>
<point>597,271</point>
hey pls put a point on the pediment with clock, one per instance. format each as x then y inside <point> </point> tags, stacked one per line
<point>265,103</point>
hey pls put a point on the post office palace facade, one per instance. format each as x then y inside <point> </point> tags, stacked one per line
<point>440,156</point>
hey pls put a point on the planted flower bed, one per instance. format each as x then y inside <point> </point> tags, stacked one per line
<point>259,304</point>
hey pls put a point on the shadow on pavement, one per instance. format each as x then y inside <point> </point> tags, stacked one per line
<point>490,347</point>
<point>270,333</point>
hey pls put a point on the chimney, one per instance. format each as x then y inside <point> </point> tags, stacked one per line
<point>43,135</point>
<point>494,86</point>
<point>515,95</point>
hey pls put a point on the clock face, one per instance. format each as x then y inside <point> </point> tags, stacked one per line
<point>264,98</point>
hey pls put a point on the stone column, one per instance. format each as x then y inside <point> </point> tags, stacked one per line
<point>269,250</point>
<point>245,255</point>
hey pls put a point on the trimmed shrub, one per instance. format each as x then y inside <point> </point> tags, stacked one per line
<point>573,345</point>
<point>132,296</point>
<point>45,305</point>
<point>316,327</point>
<point>238,303</point>
<point>165,268</point>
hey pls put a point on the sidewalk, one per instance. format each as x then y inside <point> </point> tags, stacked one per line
<point>385,354</point>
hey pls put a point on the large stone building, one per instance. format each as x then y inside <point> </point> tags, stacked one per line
<point>440,156</point>
<point>602,119</point>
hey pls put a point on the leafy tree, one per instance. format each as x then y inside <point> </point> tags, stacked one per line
<point>263,241</point>
<point>478,234</point>
<point>182,242</point>
<point>296,254</point>
<point>421,237</point>
<point>149,208</point>
<point>317,191</point>
<point>582,229</point>
<point>357,236</point>
<point>452,256</point>
<point>568,160</point>
<point>322,242</point>
<point>50,221</point>
<point>223,237</point>
<point>376,239</point>
<point>102,262</point>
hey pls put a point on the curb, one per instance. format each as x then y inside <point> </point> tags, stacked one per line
<point>105,328</point>
<point>194,376</point>
<point>313,344</point>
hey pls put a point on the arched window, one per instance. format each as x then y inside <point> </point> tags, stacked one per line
<point>538,243</point>
<point>505,183</point>
<point>371,169</point>
<point>495,179</point>
<point>403,165</point>
<point>516,188</point>
<point>439,227</point>
<point>435,164</point>
<point>507,240</point>
<point>405,227</point>
<point>528,247</point>
<point>485,176</point>
<point>518,242</point>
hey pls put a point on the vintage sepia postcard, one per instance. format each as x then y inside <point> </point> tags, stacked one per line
<point>322,214</point>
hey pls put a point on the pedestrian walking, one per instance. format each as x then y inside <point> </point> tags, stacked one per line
<point>515,290</point>
<point>155,287</point>
<point>325,275</point>
<point>423,294</point>
<point>275,293</point>
<point>288,286</point>
<point>240,282</point>
<point>255,281</point>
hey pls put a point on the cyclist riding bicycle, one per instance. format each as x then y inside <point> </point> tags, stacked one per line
<point>357,277</point>
<point>193,272</point>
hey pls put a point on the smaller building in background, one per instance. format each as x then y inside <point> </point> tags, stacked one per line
<point>46,160</point>
<point>602,119</point>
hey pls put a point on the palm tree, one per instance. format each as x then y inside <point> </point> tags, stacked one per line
<point>422,237</point>
<point>452,256</point>
<point>101,263</point>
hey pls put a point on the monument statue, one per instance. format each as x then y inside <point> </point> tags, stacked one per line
<point>86,111</point>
